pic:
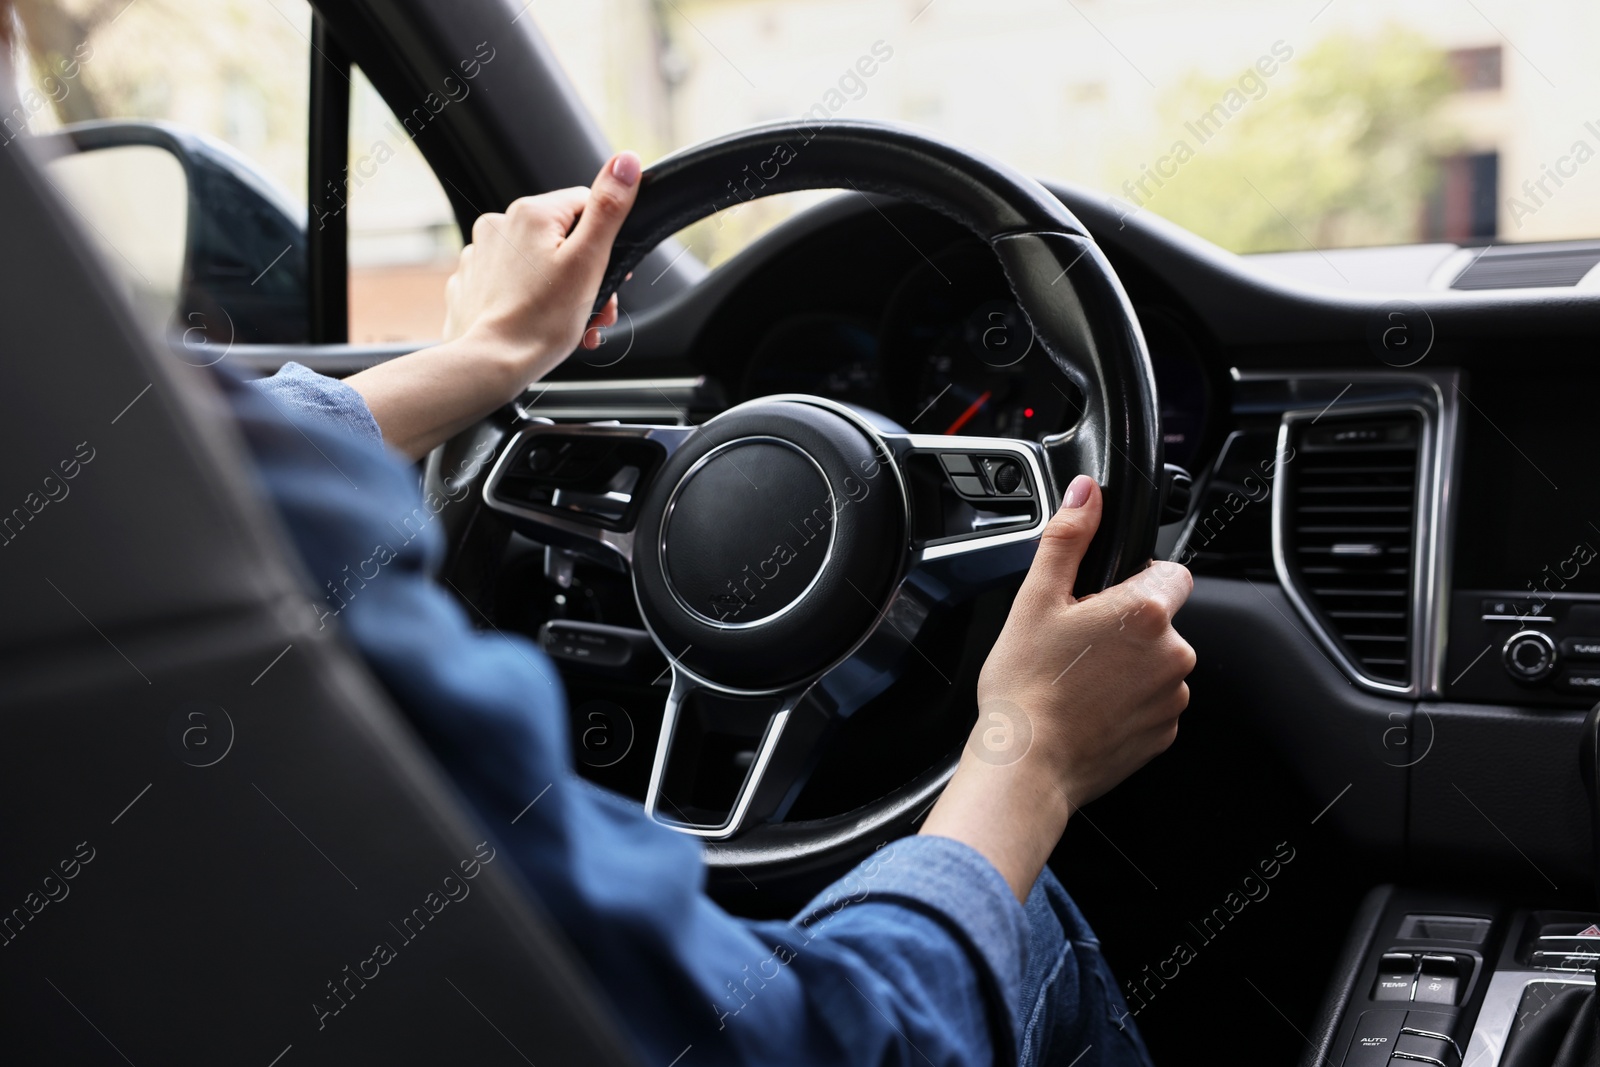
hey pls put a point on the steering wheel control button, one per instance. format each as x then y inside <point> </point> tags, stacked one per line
<point>1397,975</point>
<point>1529,656</point>
<point>977,476</point>
<point>748,531</point>
<point>968,485</point>
<point>958,463</point>
<point>1581,648</point>
<point>592,643</point>
<point>1004,474</point>
<point>1374,1039</point>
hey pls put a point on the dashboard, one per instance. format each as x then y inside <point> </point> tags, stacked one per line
<point>1475,457</point>
<point>894,308</point>
<point>1367,683</point>
<point>952,352</point>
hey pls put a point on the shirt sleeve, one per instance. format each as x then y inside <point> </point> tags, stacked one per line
<point>320,400</point>
<point>915,957</point>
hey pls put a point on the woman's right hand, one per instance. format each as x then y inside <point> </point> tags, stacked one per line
<point>1077,694</point>
<point>1097,680</point>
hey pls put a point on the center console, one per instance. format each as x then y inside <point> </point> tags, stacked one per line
<point>1454,981</point>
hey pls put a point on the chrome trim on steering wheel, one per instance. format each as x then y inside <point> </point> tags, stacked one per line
<point>572,528</point>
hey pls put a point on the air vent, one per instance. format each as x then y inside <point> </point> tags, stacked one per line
<point>1348,534</point>
<point>1523,267</point>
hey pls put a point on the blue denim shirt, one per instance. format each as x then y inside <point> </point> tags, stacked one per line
<point>920,955</point>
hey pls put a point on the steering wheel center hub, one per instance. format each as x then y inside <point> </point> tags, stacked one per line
<point>748,532</point>
<point>769,544</point>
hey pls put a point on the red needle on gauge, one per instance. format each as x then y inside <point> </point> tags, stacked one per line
<point>966,416</point>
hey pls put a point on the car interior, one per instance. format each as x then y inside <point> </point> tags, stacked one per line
<point>1374,842</point>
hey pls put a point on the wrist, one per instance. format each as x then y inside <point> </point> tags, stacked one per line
<point>1011,813</point>
<point>498,359</point>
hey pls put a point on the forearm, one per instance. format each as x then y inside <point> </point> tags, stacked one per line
<point>422,399</point>
<point>1012,814</point>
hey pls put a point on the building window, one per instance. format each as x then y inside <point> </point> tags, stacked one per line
<point>1462,206</point>
<point>1476,69</point>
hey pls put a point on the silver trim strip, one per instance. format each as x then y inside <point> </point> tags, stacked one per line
<point>617,541</point>
<point>1499,1012</point>
<point>618,385</point>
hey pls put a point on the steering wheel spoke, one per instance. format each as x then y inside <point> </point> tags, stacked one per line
<point>728,761</point>
<point>978,505</point>
<point>579,486</point>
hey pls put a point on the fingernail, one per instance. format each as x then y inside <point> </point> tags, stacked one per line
<point>625,168</point>
<point>1078,491</point>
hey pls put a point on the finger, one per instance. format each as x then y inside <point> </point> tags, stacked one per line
<point>610,199</point>
<point>556,210</point>
<point>1064,541</point>
<point>487,226</point>
<point>606,316</point>
<point>1166,584</point>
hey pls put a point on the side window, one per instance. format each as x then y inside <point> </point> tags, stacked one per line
<point>403,237</point>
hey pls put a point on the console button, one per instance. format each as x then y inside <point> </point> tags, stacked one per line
<point>1439,981</point>
<point>1436,1023</point>
<point>1587,648</point>
<point>1397,973</point>
<point>1507,609</point>
<point>1580,681</point>
<point>958,463</point>
<point>1435,1049</point>
<point>1529,655</point>
<point>1374,1039</point>
<point>1436,989</point>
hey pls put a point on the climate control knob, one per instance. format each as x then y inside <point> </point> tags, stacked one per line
<point>1529,656</point>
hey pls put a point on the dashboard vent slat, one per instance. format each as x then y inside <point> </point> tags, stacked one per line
<point>1538,267</point>
<point>1348,523</point>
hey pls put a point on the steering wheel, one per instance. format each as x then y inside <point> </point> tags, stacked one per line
<point>784,553</point>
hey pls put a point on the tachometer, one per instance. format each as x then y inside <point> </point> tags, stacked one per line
<point>825,355</point>
<point>953,332</point>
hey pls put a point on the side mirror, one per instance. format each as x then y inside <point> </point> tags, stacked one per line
<point>213,253</point>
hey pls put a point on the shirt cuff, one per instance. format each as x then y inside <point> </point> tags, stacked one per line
<point>324,400</point>
<point>956,885</point>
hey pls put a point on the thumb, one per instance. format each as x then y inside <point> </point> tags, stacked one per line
<point>610,199</point>
<point>1065,539</point>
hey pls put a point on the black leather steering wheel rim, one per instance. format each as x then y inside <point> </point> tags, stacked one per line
<point>1087,326</point>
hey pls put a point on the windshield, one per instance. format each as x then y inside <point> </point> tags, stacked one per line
<point>1262,125</point>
